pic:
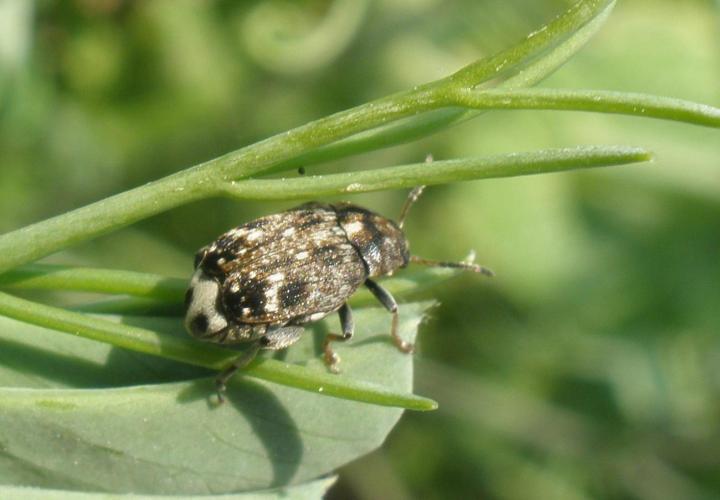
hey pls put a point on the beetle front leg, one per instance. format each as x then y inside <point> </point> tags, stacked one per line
<point>240,362</point>
<point>332,359</point>
<point>274,339</point>
<point>389,303</point>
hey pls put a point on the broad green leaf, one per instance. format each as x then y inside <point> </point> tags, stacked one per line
<point>307,491</point>
<point>81,415</point>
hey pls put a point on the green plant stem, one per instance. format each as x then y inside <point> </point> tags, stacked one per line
<point>150,290</point>
<point>86,279</point>
<point>189,351</point>
<point>439,172</point>
<point>626,103</point>
<point>132,306</point>
<point>43,238</point>
<point>544,40</point>
<point>523,65</point>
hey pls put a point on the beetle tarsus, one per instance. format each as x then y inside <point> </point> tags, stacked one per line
<point>400,343</point>
<point>332,359</point>
<point>389,303</point>
<point>220,389</point>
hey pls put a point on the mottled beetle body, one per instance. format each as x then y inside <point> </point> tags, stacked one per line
<point>262,281</point>
<point>288,269</point>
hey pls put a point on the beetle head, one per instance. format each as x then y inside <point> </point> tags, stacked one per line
<point>205,316</point>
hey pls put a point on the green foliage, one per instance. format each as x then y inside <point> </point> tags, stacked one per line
<point>97,418</point>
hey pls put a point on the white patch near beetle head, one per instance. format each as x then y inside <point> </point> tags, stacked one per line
<point>203,304</point>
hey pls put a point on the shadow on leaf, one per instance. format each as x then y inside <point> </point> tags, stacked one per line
<point>268,418</point>
<point>68,370</point>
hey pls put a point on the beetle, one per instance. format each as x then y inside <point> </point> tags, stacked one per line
<point>262,281</point>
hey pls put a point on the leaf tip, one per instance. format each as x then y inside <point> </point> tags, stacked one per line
<point>644,155</point>
<point>423,404</point>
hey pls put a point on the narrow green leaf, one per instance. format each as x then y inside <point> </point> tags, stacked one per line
<point>58,277</point>
<point>537,45</point>
<point>132,306</point>
<point>598,101</point>
<point>438,172</point>
<point>153,293</point>
<point>180,347</point>
<point>523,65</point>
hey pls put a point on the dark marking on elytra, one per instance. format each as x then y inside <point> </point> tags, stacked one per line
<point>372,236</point>
<point>344,209</point>
<point>292,293</point>
<point>214,261</point>
<point>312,220</point>
<point>326,254</point>
<point>255,224</point>
<point>253,297</point>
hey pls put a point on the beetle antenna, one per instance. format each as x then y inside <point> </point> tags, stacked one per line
<point>456,265</point>
<point>412,197</point>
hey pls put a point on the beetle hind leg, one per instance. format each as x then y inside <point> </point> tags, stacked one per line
<point>388,301</point>
<point>332,359</point>
<point>281,338</point>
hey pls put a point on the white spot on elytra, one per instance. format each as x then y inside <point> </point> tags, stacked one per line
<point>302,255</point>
<point>271,307</point>
<point>254,235</point>
<point>273,278</point>
<point>353,227</point>
<point>289,231</point>
<point>271,298</point>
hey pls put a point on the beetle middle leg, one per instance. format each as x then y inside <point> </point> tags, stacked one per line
<point>332,359</point>
<point>389,303</point>
<point>274,339</point>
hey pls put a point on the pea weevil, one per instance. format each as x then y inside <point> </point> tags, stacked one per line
<point>262,281</point>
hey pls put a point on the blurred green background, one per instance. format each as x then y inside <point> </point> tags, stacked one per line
<point>589,368</point>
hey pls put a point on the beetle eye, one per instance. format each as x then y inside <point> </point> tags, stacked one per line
<point>199,323</point>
